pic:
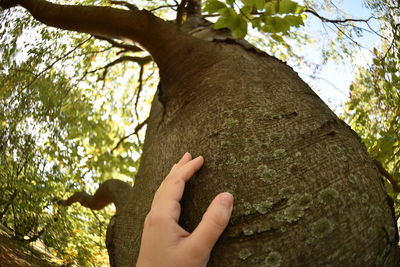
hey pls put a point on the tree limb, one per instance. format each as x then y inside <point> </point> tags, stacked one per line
<point>140,60</point>
<point>111,191</point>
<point>154,34</point>
<point>125,4</point>
<point>387,175</point>
<point>180,11</point>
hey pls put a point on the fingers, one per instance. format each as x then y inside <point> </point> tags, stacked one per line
<point>171,190</point>
<point>214,222</point>
<point>185,158</point>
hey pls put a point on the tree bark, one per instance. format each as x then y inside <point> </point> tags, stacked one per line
<point>306,191</point>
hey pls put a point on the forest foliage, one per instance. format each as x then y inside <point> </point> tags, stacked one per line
<point>74,107</point>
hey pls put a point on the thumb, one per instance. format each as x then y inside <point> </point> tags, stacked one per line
<point>213,223</point>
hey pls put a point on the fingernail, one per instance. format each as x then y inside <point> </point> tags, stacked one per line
<point>226,199</point>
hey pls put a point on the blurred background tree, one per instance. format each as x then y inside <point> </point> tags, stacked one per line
<point>373,108</point>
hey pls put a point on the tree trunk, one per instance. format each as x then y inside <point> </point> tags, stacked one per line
<point>306,192</point>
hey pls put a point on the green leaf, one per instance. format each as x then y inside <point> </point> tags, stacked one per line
<point>214,6</point>
<point>249,3</point>
<point>246,10</point>
<point>278,38</point>
<point>241,30</point>
<point>271,8</point>
<point>276,24</point>
<point>295,21</point>
<point>259,4</point>
<point>230,2</point>
<point>222,22</point>
<point>256,22</point>
<point>288,6</point>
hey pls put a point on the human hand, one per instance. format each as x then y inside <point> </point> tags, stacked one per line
<point>164,242</point>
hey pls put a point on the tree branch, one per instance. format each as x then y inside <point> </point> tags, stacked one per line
<point>140,60</point>
<point>137,129</point>
<point>139,90</point>
<point>179,12</point>
<point>111,191</point>
<point>10,201</point>
<point>125,4</point>
<point>336,20</point>
<point>173,7</point>
<point>387,175</point>
<point>154,34</point>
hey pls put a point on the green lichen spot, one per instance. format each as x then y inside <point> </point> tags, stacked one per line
<point>246,159</point>
<point>286,192</point>
<point>263,226</point>
<point>264,145</point>
<point>244,253</point>
<point>353,196</point>
<point>268,175</point>
<point>297,154</point>
<point>279,153</point>
<point>248,230</point>
<point>264,206</point>
<point>352,178</point>
<point>292,214</point>
<point>335,149</point>
<point>328,194</point>
<point>236,172</point>
<point>225,144</point>
<point>276,137</point>
<point>226,113</point>
<point>370,230</point>
<point>275,116</point>
<point>265,173</point>
<point>374,211</point>
<point>230,123</point>
<point>247,208</point>
<point>273,259</point>
<point>391,232</point>
<point>322,227</point>
<point>305,201</point>
<point>364,198</point>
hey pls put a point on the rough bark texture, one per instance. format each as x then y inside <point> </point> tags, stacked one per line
<point>307,193</point>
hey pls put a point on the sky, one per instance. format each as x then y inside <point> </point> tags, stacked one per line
<point>335,79</point>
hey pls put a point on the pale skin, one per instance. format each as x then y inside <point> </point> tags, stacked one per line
<point>164,242</point>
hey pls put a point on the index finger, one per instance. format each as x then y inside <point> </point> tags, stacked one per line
<point>171,190</point>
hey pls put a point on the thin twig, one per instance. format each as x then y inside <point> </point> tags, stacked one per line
<point>336,20</point>
<point>140,60</point>
<point>57,60</point>
<point>174,7</point>
<point>139,90</point>
<point>125,4</point>
<point>137,129</point>
<point>128,47</point>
